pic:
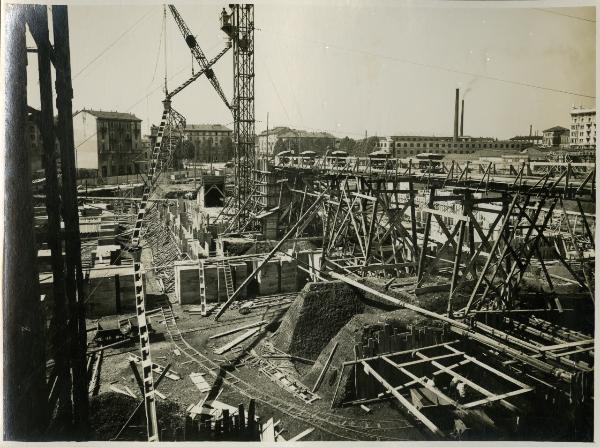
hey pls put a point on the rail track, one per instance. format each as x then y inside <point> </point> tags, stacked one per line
<point>338,426</point>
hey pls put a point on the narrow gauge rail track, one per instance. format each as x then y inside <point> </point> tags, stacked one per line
<point>338,426</point>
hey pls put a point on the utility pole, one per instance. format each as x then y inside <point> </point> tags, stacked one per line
<point>195,163</point>
<point>267,135</point>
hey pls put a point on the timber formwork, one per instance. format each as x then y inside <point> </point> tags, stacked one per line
<point>481,226</point>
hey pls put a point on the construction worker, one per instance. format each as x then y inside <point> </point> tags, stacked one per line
<point>452,387</point>
<point>461,390</point>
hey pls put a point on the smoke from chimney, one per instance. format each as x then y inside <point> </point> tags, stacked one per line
<point>462,117</point>
<point>456,116</point>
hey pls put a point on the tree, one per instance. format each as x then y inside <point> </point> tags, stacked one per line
<point>225,149</point>
<point>280,146</point>
<point>206,151</point>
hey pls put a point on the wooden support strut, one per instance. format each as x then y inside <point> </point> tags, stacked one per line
<point>464,330</point>
<point>306,217</point>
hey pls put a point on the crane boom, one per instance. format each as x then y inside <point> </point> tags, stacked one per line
<point>198,53</point>
<point>199,73</point>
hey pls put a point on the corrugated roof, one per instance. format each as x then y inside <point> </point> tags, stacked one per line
<point>207,127</point>
<point>111,115</point>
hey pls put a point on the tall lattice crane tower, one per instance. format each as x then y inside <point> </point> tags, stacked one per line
<point>238,24</point>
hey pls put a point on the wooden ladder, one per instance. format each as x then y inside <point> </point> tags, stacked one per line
<point>140,293</point>
<point>202,286</point>
<point>228,278</point>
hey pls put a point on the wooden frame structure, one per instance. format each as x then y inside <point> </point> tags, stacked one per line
<point>417,371</point>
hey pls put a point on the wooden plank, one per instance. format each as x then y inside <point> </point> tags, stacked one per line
<point>236,341</point>
<point>424,383</point>
<point>496,397</point>
<point>493,370</point>
<point>566,345</point>
<point>268,433</point>
<point>393,354</point>
<point>156,368</point>
<point>233,331</point>
<point>119,390</point>
<point>324,370</point>
<point>410,407</point>
<point>301,435</point>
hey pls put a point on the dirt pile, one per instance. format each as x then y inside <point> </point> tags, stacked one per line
<point>109,411</point>
<point>354,332</point>
<point>318,313</point>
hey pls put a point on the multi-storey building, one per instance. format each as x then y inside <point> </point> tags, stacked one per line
<point>207,140</point>
<point>408,145</point>
<point>293,139</point>
<point>583,128</point>
<point>556,136</point>
<point>109,142</point>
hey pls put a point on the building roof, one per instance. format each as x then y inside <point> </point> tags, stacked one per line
<point>111,115</point>
<point>556,129</point>
<point>286,132</point>
<point>527,137</point>
<point>579,110</point>
<point>207,127</point>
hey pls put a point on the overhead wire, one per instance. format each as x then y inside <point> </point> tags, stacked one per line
<point>549,11</point>
<point>112,44</point>
<point>439,67</point>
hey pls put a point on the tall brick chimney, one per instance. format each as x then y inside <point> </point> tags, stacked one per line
<point>462,117</point>
<point>455,138</point>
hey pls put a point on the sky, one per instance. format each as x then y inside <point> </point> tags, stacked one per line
<point>346,67</point>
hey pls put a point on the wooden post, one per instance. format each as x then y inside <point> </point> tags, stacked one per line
<point>38,24</point>
<point>74,275</point>
<point>25,394</point>
<point>425,238</point>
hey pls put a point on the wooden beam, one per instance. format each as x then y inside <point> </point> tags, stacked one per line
<point>233,331</point>
<point>566,345</point>
<point>422,382</point>
<point>236,341</point>
<point>324,370</point>
<point>489,399</point>
<point>301,435</point>
<point>410,407</point>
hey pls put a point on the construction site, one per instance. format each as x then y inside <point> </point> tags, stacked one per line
<point>294,297</point>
